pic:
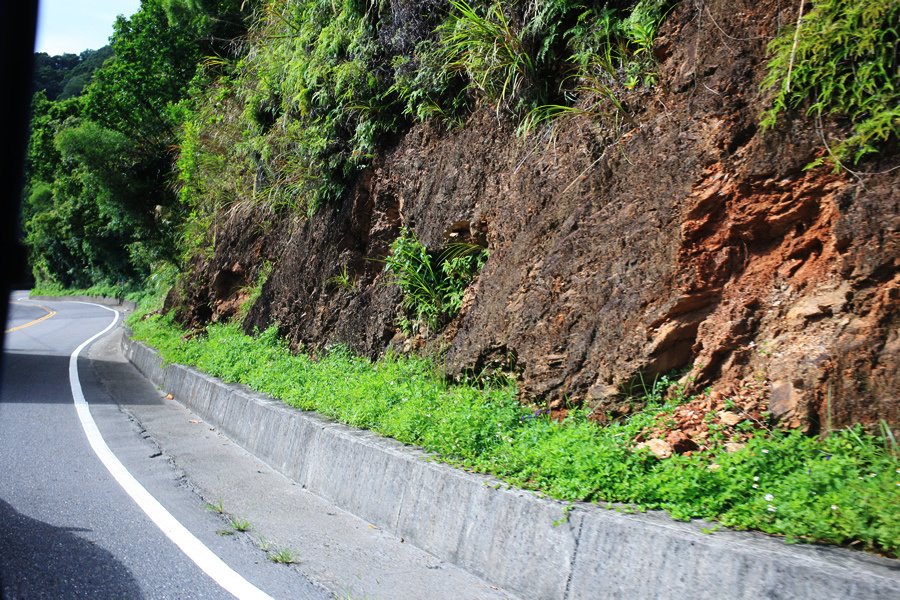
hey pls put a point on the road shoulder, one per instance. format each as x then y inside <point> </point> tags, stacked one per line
<point>335,549</point>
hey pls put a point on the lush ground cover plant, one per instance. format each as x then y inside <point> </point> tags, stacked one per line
<point>842,489</point>
<point>103,290</point>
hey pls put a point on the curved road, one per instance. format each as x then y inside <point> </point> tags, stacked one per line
<point>68,529</point>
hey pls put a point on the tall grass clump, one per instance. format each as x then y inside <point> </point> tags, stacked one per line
<point>841,58</point>
<point>490,51</point>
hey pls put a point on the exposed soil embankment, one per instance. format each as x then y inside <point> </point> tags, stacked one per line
<point>683,237</point>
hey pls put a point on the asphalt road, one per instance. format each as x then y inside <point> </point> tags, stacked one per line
<point>68,529</point>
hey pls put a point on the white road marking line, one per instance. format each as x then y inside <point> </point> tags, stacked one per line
<point>202,556</point>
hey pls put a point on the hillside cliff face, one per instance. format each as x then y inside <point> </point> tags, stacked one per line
<point>683,237</point>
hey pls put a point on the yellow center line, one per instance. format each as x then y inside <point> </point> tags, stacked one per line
<point>49,314</point>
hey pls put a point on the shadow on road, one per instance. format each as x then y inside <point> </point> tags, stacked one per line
<point>38,560</point>
<point>34,378</point>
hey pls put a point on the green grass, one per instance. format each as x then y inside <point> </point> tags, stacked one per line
<point>150,293</point>
<point>840,490</point>
<point>241,525</point>
<point>99,290</point>
<point>283,556</point>
<point>489,50</point>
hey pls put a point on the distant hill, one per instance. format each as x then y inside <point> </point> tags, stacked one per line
<point>66,75</point>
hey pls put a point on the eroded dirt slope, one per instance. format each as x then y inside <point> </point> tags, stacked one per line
<point>686,238</point>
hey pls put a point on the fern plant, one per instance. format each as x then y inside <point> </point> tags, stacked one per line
<point>609,50</point>
<point>841,57</point>
<point>432,284</point>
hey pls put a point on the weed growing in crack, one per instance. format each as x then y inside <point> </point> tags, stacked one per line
<point>241,525</point>
<point>264,544</point>
<point>283,556</point>
<point>566,511</point>
<point>343,280</point>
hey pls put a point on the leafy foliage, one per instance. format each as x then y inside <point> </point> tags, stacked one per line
<point>842,57</point>
<point>615,46</point>
<point>99,207</point>
<point>609,50</point>
<point>211,173</point>
<point>65,76</point>
<point>839,490</point>
<point>325,83</point>
<point>432,285</point>
<point>77,231</point>
<point>314,99</point>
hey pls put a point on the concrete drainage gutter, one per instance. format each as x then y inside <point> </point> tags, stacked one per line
<point>506,536</point>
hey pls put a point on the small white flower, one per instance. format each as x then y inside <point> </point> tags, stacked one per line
<point>769,497</point>
<point>770,508</point>
<point>756,486</point>
<point>834,507</point>
<point>765,451</point>
<point>756,478</point>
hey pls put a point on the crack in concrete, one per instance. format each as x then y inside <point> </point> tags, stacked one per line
<point>574,557</point>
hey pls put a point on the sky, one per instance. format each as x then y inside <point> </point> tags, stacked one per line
<point>77,25</point>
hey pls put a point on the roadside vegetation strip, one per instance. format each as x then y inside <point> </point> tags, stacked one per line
<point>842,489</point>
<point>121,292</point>
<point>49,314</point>
<point>192,547</point>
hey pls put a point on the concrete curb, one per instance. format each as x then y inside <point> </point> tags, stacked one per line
<point>106,301</point>
<point>507,536</point>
